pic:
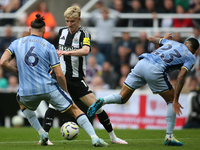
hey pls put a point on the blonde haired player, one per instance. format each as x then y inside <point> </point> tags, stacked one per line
<point>74,45</point>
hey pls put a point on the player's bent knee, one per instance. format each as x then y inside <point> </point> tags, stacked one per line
<point>21,107</point>
<point>168,95</point>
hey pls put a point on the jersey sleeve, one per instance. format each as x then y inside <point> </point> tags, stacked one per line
<point>165,41</point>
<point>86,37</point>
<point>162,41</point>
<point>86,41</point>
<point>189,64</point>
<point>53,57</point>
<point>10,49</point>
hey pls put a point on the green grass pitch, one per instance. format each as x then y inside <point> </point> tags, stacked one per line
<point>26,138</point>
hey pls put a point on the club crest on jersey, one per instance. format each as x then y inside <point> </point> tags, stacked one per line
<point>75,41</point>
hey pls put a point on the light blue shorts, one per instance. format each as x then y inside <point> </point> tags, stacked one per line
<point>146,72</point>
<point>58,98</point>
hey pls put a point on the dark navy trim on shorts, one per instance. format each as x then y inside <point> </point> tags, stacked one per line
<point>167,82</point>
<point>65,96</point>
<point>161,91</point>
<point>128,86</point>
<point>62,111</point>
<point>18,97</point>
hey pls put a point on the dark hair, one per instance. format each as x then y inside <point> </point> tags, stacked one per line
<point>194,44</point>
<point>38,23</point>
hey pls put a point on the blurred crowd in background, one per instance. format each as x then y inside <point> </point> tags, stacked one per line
<point>110,59</point>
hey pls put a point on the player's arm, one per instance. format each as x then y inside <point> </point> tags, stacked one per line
<point>156,40</point>
<point>60,77</point>
<point>5,62</point>
<point>84,51</point>
<point>179,85</point>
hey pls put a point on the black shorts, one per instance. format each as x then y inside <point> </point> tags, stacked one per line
<point>77,88</point>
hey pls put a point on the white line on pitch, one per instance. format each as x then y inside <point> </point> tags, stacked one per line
<point>60,141</point>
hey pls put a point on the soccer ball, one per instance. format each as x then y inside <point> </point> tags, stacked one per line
<point>17,121</point>
<point>69,130</point>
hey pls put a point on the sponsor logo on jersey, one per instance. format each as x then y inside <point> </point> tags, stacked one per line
<point>65,48</point>
<point>63,38</point>
<point>86,41</point>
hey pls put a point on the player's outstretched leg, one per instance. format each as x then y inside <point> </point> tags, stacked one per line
<point>94,107</point>
<point>31,116</point>
<point>170,140</point>
<point>98,142</point>
<point>44,138</point>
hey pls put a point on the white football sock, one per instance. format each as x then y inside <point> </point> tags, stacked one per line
<point>170,118</point>
<point>83,122</point>
<point>112,135</point>
<point>31,116</point>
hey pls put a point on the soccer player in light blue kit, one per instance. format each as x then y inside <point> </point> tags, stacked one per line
<point>34,55</point>
<point>152,69</point>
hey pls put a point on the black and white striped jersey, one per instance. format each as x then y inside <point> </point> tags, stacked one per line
<point>73,66</point>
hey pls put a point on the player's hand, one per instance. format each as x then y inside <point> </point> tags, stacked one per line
<point>51,72</point>
<point>168,36</point>
<point>59,53</point>
<point>177,108</point>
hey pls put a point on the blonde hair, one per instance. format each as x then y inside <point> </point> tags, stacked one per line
<point>73,12</point>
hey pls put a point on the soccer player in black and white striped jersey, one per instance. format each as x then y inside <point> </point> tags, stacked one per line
<point>74,45</point>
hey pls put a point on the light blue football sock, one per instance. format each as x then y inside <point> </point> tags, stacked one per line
<point>170,118</point>
<point>113,99</point>
<point>83,122</point>
<point>31,116</point>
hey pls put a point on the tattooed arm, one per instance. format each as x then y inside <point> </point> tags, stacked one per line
<point>179,85</point>
<point>156,40</point>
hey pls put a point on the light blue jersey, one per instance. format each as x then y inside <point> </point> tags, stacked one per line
<point>34,55</point>
<point>152,68</point>
<point>171,56</point>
